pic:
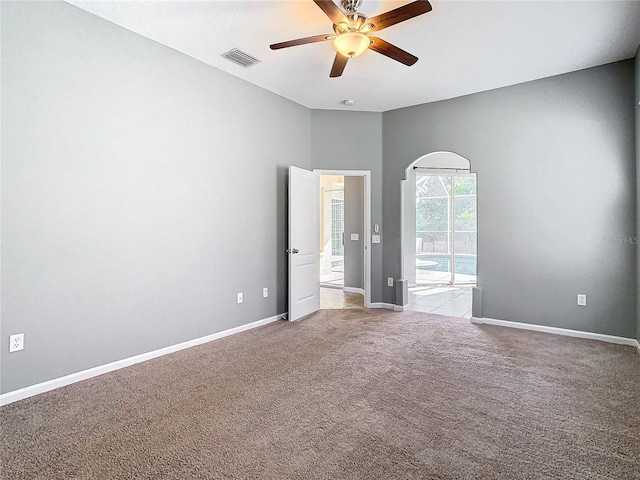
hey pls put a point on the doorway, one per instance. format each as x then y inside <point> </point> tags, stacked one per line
<point>345,219</point>
<point>439,234</point>
<point>439,221</point>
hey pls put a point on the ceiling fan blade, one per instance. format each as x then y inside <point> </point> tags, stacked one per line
<point>400,14</point>
<point>391,51</point>
<point>302,41</point>
<point>338,65</point>
<point>332,11</point>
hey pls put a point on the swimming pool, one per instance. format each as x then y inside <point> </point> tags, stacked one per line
<point>466,264</point>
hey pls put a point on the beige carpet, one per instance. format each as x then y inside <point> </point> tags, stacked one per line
<point>345,394</point>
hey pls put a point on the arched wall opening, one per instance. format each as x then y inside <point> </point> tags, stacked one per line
<point>439,221</point>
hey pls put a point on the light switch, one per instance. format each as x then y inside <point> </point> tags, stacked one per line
<point>355,236</point>
<point>375,238</point>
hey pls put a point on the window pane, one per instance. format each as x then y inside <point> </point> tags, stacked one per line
<point>433,229</point>
<point>466,226</point>
<point>337,226</point>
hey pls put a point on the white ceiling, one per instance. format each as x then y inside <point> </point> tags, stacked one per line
<point>464,46</point>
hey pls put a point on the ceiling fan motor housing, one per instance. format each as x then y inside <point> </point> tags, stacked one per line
<point>357,22</point>
<point>351,5</point>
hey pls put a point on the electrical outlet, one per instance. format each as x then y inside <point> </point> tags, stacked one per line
<point>16,342</point>
<point>265,292</point>
<point>582,300</point>
<point>390,281</point>
<point>239,297</point>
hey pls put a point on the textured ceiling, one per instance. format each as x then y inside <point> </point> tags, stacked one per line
<point>464,46</point>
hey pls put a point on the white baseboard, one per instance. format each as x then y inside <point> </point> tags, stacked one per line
<point>30,391</point>
<point>388,306</point>
<point>558,331</point>
<point>353,290</point>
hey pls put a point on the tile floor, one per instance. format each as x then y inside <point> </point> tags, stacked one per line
<point>335,298</point>
<point>334,279</point>
<point>452,301</point>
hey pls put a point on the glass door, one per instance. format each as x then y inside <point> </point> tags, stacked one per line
<point>433,230</point>
<point>446,229</point>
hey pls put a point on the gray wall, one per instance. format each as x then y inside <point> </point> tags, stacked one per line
<point>556,181</point>
<point>141,190</point>
<point>354,223</point>
<point>637,134</point>
<point>352,141</point>
<point>409,227</point>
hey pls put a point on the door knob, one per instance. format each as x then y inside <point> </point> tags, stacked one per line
<point>294,250</point>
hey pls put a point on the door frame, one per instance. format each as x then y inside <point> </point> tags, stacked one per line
<point>366,174</point>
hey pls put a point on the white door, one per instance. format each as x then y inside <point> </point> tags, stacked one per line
<point>304,243</point>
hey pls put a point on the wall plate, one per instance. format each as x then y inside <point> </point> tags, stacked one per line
<point>16,342</point>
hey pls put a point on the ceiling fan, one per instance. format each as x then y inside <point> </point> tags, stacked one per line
<point>352,30</point>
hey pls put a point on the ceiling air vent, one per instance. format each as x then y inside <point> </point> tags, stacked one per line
<point>240,57</point>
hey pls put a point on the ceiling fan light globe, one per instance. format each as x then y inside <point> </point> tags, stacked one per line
<point>351,44</point>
